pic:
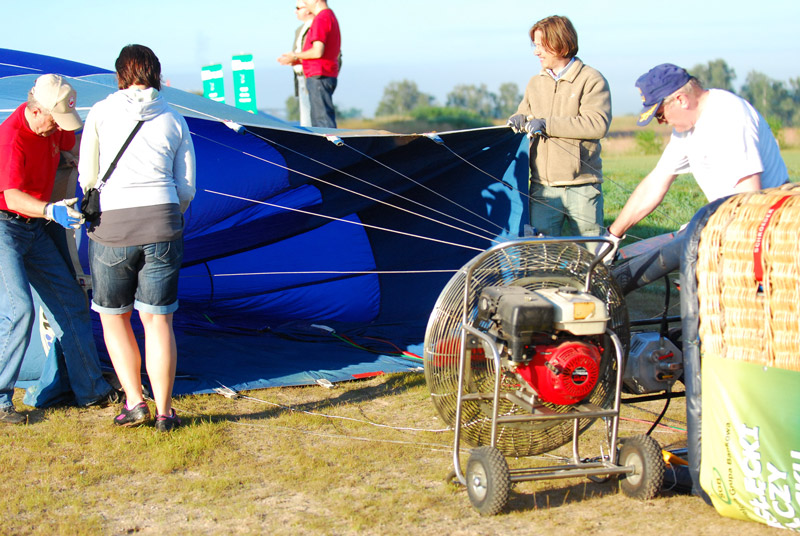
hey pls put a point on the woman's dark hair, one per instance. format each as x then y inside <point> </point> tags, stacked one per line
<point>137,64</point>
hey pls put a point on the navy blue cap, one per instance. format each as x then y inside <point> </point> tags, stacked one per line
<point>656,85</point>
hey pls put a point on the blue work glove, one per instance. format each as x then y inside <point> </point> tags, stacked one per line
<point>517,123</point>
<point>64,213</point>
<point>535,127</point>
<point>609,251</point>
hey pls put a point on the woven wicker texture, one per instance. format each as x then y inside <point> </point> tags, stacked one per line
<point>533,266</point>
<point>741,318</point>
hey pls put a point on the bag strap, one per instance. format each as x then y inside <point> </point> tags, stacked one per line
<point>119,154</point>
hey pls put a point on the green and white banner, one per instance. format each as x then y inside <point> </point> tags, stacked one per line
<point>213,82</point>
<point>244,82</point>
<point>750,465</point>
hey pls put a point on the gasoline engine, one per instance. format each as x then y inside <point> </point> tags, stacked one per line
<point>551,339</point>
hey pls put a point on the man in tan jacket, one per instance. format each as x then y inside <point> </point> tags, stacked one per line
<point>566,110</point>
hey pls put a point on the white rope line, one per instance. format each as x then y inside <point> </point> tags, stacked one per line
<point>395,194</point>
<point>423,186</point>
<point>524,194</point>
<point>492,240</point>
<point>224,121</point>
<point>332,218</point>
<point>621,187</point>
<point>435,447</point>
<point>544,203</point>
<point>220,120</point>
<point>359,194</point>
<point>334,272</point>
<point>488,236</point>
<point>325,164</point>
<point>227,392</point>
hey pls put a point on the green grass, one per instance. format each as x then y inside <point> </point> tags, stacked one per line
<point>623,172</point>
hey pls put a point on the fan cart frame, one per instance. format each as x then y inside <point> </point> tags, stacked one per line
<point>487,476</point>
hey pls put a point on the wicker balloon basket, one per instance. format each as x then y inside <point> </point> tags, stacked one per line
<point>748,290</point>
<point>748,279</point>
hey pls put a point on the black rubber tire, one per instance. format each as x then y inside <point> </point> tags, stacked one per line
<point>488,480</point>
<point>644,453</point>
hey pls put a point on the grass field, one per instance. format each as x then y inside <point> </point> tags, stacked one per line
<point>367,457</point>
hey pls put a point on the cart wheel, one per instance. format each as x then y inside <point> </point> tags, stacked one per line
<point>488,481</point>
<point>644,454</point>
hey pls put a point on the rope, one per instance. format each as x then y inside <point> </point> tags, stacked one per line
<point>239,128</point>
<point>333,218</point>
<point>227,392</point>
<point>620,186</point>
<point>400,196</point>
<point>483,237</point>
<point>329,272</point>
<point>424,186</point>
<point>435,447</point>
<point>439,141</point>
<point>338,141</point>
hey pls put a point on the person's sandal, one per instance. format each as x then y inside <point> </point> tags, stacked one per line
<point>137,415</point>
<point>165,423</point>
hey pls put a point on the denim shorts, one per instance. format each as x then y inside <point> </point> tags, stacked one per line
<point>143,277</point>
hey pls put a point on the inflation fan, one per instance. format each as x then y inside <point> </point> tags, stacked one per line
<point>524,350</point>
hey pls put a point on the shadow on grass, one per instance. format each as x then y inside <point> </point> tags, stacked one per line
<point>395,384</point>
<point>574,494</point>
<point>556,497</point>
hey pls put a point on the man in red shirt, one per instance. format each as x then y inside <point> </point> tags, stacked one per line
<point>31,141</point>
<point>320,60</point>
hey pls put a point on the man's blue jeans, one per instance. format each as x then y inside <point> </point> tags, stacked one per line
<point>320,96</point>
<point>30,259</point>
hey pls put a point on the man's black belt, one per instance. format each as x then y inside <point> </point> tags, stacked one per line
<point>18,216</point>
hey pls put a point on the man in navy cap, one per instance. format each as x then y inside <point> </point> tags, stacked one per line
<point>717,136</point>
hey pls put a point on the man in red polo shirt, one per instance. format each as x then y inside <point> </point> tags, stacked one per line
<point>320,60</point>
<point>31,141</point>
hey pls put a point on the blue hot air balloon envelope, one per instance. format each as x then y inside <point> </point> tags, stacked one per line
<point>310,254</point>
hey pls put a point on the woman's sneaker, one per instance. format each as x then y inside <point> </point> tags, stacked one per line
<point>138,414</point>
<point>165,423</point>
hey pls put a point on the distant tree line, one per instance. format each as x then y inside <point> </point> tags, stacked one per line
<point>405,98</point>
<point>466,105</point>
<point>777,101</point>
<point>293,111</point>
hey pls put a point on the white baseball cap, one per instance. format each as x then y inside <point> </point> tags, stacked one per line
<point>58,98</point>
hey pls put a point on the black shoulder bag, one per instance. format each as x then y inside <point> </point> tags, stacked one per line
<point>90,204</point>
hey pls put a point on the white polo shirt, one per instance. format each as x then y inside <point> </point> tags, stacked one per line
<point>730,140</point>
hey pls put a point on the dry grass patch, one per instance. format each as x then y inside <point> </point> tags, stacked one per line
<point>302,461</point>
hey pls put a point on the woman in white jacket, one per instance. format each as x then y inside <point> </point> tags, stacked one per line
<point>136,246</point>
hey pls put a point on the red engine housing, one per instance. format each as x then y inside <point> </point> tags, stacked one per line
<point>562,374</point>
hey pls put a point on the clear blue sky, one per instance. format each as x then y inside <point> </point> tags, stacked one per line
<point>436,43</point>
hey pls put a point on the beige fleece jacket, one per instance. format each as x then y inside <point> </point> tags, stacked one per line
<point>577,111</point>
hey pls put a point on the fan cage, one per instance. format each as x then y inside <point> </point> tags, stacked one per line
<point>532,265</point>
